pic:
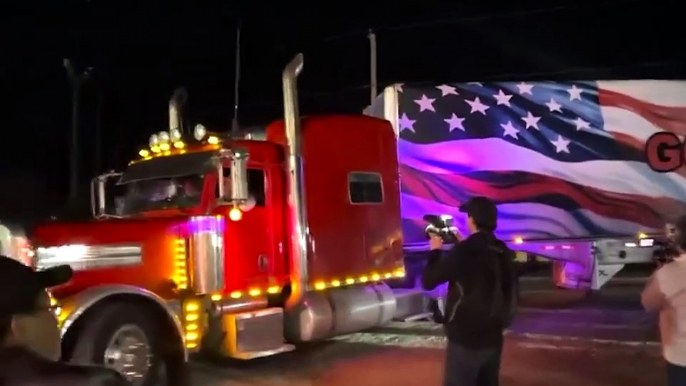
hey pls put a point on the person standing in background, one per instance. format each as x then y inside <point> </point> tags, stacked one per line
<point>665,292</point>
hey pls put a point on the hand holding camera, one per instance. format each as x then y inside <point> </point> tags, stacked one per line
<point>440,230</point>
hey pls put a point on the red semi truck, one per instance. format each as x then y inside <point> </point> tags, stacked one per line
<point>243,247</point>
<point>238,247</point>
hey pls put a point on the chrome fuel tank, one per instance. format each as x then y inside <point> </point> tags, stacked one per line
<point>325,314</point>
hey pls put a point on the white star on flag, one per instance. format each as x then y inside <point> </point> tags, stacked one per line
<point>425,103</point>
<point>531,121</point>
<point>477,106</point>
<point>574,93</point>
<point>581,124</point>
<point>447,90</point>
<point>455,122</point>
<point>502,98</point>
<point>554,106</point>
<point>509,130</point>
<point>525,88</point>
<point>561,145</point>
<point>406,123</point>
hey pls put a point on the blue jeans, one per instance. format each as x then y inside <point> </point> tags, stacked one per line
<point>676,375</point>
<point>472,367</point>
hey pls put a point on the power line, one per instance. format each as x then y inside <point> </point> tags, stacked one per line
<point>357,92</point>
<point>477,18</point>
<point>512,76</point>
<point>575,70</point>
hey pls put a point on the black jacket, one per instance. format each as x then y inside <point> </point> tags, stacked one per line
<point>21,367</point>
<point>471,265</point>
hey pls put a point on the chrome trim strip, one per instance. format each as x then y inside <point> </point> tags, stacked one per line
<point>85,257</point>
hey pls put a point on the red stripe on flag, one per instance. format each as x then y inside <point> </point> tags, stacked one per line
<point>535,188</point>
<point>672,119</point>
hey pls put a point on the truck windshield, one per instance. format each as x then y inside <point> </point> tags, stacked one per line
<point>162,193</point>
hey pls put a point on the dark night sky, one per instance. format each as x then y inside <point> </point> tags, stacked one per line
<point>141,50</point>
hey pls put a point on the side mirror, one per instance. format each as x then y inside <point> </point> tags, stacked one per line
<point>98,193</point>
<point>239,176</point>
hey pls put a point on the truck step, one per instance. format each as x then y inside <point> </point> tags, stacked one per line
<point>248,355</point>
<point>254,334</point>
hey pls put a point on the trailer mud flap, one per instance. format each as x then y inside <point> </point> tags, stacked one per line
<point>603,273</point>
<point>573,274</point>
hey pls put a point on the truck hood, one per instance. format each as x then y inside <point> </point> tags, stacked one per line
<point>111,231</point>
<point>136,252</point>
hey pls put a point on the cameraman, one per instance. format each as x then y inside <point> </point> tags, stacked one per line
<point>480,302</point>
<point>667,249</point>
<point>665,292</point>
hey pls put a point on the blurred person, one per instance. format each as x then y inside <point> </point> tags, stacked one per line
<point>30,335</point>
<point>481,298</point>
<point>665,292</point>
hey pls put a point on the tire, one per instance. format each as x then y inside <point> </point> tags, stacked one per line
<point>120,319</point>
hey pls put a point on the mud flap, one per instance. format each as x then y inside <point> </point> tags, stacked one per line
<point>603,273</point>
<point>573,274</point>
<point>576,275</point>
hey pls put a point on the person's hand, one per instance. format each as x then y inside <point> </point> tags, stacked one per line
<point>457,233</point>
<point>435,242</point>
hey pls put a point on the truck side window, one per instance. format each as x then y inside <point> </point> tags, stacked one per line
<point>255,184</point>
<point>365,188</point>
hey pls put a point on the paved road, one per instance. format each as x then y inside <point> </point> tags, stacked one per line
<point>561,338</point>
<point>394,362</point>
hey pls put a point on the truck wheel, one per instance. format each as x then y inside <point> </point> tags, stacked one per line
<point>122,337</point>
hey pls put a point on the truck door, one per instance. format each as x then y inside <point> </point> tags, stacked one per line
<point>248,241</point>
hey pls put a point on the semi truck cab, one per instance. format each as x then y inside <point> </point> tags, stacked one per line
<point>238,247</point>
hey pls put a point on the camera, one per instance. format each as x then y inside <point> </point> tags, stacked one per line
<point>667,248</point>
<point>441,226</point>
<point>665,251</point>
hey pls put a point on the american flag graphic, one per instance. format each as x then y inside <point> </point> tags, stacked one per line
<point>561,159</point>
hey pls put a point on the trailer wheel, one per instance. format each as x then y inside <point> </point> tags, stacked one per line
<point>122,336</point>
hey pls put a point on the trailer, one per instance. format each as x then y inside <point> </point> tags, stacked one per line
<point>585,173</point>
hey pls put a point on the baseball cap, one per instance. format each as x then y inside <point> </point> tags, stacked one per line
<point>20,285</point>
<point>482,210</point>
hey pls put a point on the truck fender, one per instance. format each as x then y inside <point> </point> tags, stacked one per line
<point>73,307</point>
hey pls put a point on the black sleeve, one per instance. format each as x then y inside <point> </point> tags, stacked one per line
<point>442,268</point>
<point>510,275</point>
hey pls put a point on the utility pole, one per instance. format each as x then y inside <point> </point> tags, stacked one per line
<point>236,81</point>
<point>76,79</point>
<point>372,65</point>
<point>98,133</point>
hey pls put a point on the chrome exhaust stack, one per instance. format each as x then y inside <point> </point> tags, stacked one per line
<point>296,189</point>
<point>178,99</point>
<point>314,315</point>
